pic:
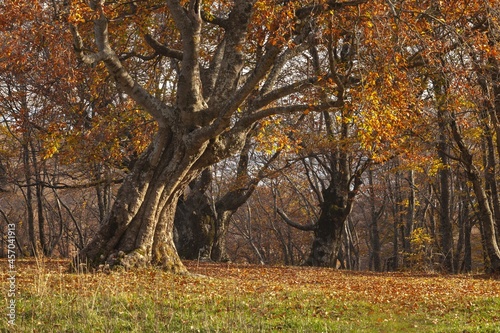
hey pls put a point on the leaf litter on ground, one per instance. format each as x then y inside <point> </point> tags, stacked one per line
<point>274,295</point>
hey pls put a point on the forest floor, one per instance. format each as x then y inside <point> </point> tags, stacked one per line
<point>245,298</point>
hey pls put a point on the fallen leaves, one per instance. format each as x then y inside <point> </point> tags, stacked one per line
<point>315,292</point>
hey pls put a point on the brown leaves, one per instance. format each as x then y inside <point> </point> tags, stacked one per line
<point>403,290</point>
<point>273,296</point>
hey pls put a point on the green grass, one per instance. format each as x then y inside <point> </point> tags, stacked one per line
<point>251,299</point>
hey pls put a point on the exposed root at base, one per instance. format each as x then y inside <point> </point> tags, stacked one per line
<point>120,260</point>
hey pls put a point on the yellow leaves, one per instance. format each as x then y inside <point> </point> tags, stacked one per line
<point>53,139</point>
<point>274,136</point>
<point>435,166</point>
<point>76,17</point>
<point>80,12</point>
<point>273,23</point>
<point>421,251</point>
<point>51,150</point>
<point>474,132</point>
<point>387,109</point>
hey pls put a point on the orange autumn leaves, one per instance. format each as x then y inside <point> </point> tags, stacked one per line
<point>405,291</point>
<point>384,109</point>
<point>70,110</point>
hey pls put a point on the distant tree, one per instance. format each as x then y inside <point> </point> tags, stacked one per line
<point>203,215</point>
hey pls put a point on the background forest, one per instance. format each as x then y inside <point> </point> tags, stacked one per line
<point>378,149</point>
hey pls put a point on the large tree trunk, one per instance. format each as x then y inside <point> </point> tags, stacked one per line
<point>219,251</point>
<point>201,223</point>
<point>139,229</point>
<point>195,220</point>
<point>329,227</point>
<point>194,229</point>
<point>201,227</point>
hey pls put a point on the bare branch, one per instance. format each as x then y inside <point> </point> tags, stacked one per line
<point>303,227</point>
<point>303,12</point>
<point>157,109</point>
<point>162,49</point>
<point>89,59</point>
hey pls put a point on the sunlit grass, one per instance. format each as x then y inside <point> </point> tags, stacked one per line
<point>230,298</point>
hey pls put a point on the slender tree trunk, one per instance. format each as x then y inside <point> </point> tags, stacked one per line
<point>461,221</point>
<point>3,177</point>
<point>490,177</point>
<point>410,213</point>
<point>375,262</point>
<point>33,247</point>
<point>494,72</point>
<point>402,226</point>
<point>467,264</point>
<point>103,192</point>
<point>392,263</point>
<point>464,264</point>
<point>44,244</point>
<point>445,225</point>
<point>484,210</point>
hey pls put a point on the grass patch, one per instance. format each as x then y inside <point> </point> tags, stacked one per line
<point>232,298</point>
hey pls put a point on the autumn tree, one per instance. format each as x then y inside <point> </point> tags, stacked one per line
<point>380,104</point>
<point>448,47</point>
<point>31,103</point>
<point>462,101</point>
<point>229,61</point>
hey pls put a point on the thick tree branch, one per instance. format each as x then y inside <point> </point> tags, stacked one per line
<point>162,49</point>
<point>189,90</point>
<point>210,18</point>
<point>224,112</point>
<point>228,73</point>
<point>159,111</point>
<point>257,75</point>
<point>134,54</point>
<point>281,92</point>
<point>208,76</point>
<point>303,227</point>
<point>304,12</point>
<point>89,59</point>
<point>256,116</point>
